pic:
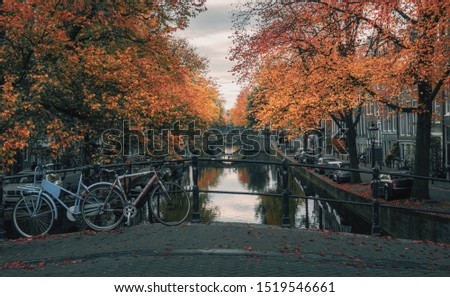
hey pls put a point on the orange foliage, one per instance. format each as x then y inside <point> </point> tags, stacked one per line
<point>320,59</point>
<point>238,114</point>
<point>315,59</point>
<point>71,70</point>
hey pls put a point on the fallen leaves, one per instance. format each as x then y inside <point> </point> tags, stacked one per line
<point>17,265</point>
<point>364,191</point>
<point>285,249</point>
<point>427,242</point>
<point>89,232</point>
<point>41,264</point>
<point>37,237</point>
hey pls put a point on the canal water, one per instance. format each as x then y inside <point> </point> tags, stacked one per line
<point>261,207</point>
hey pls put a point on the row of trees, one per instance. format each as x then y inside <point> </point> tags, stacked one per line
<point>71,69</point>
<point>308,61</point>
<point>238,114</point>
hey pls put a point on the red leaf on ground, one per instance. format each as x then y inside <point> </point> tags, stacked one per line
<point>89,232</point>
<point>41,264</point>
<point>17,265</point>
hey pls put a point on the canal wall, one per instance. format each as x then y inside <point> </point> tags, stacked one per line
<point>395,222</point>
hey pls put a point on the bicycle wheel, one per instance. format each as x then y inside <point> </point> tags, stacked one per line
<point>102,208</point>
<point>33,215</point>
<point>170,204</point>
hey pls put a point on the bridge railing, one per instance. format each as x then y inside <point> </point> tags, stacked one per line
<point>286,194</point>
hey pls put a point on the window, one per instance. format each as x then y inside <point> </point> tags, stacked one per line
<point>394,121</point>
<point>446,98</point>
<point>402,124</point>
<point>391,121</point>
<point>26,154</point>
<point>437,109</point>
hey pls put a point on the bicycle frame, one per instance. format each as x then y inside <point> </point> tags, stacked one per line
<point>108,203</point>
<point>117,183</point>
<point>53,192</point>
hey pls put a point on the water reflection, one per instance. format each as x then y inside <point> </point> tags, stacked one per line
<point>261,209</point>
<point>232,207</point>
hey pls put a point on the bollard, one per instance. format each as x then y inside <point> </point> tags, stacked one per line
<point>2,221</point>
<point>376,229</point>
<point>286,222</point>
<point>195,192</point>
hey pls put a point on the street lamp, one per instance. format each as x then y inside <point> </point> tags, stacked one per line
<point>375,184</point>
<point>373,129</point>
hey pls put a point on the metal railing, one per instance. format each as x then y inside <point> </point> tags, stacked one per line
<point>286,194</point>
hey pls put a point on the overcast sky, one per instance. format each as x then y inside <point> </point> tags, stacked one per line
<point>210,32</point>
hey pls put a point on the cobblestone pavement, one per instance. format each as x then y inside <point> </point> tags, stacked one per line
<point>221,249</point>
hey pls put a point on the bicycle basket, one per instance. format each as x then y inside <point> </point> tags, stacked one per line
<point>52,189</point>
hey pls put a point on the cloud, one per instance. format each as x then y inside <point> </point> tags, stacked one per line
<point>210,33</point>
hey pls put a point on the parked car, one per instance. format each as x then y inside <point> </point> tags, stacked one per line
<point>339,175</point>
<point>323,162</point>
<point>305,157</point>
<point>393,186</point>
<point>334,164</point>
<point>309,158</point>
<point>11,193</point>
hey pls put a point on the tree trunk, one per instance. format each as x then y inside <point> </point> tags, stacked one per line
<point>423,141</point>
<point>350,141</point>
<point>305,141</point>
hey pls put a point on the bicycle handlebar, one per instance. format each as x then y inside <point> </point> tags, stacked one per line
<point>109,171</point>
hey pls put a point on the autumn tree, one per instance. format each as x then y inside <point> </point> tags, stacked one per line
<point>304,67</point>
<point>238,113</point>
<point>347,53</point>
<point>68,71</point>
<point>411,66</point>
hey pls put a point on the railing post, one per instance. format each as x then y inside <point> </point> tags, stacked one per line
<point>307,213</point>
<point>320,217</point>
<point>286,222</point>
<point>376,229</point>
<point>195,192</point>
<point>2,211</point>
<point>129,166</point>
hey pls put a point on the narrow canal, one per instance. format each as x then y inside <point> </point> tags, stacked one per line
<point>265,209</point>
